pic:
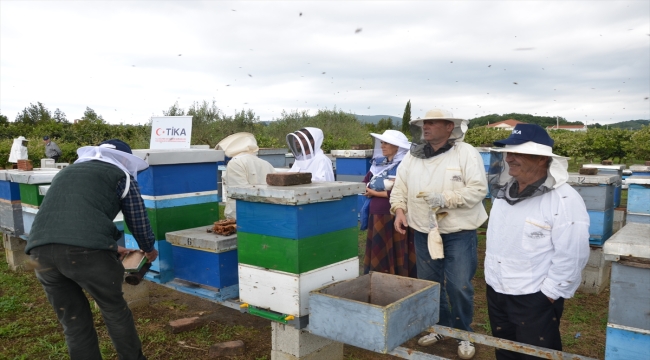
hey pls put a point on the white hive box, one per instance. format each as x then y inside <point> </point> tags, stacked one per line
<point>36,176</point>
<point>288,293</point>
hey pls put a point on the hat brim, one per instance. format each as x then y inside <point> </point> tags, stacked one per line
<point>419,122</point>
<point>529,148</point>
<point>392,140</point>
<point>509,141</point>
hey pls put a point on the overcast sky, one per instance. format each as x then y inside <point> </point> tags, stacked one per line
<point>129,60</point>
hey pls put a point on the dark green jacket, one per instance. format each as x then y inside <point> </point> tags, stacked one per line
<point>79,208</point>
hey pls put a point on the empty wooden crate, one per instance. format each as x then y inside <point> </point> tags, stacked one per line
<point>376,311</point>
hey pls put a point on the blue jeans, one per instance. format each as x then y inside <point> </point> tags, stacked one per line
<point>454,273</point>
<point>65,271</point>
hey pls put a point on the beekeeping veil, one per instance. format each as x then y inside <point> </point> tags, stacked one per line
<point>393,137</point>
<point>238,144</point>
<point>420,148</point>
<point>525,139</point>
<point>115,152</point>
<point>305,144</point>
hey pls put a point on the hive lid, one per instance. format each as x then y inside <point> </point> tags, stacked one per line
<point>578,179</point>
<point>640,168</point>
<point>608,167</point>
<point>297,194</point>
<point>352,153</point>
<point>631,240</point>
<point>179,156</point>
<point>36,176</point>
<point>643,180</point>
<point>199,238</point>
<point>272,151</point>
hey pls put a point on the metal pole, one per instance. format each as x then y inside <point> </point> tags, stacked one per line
<point>507,344</point>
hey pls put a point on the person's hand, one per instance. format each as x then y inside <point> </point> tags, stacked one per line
<point>123,252</point>
<point>151,255</point>
<point>370,193</point>
<point>433,199</point>
<point>400,221</point>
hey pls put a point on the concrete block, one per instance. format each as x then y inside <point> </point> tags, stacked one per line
<point>619,219</point>
<point>584,171</point>
<point>16,259</point>
<point>13,243</point>
<point>333,351</point>
<point>228,348</point>
<point>596,275</point>
<point>288,340</point>
<point>136,296</point>
<point>288,179</point>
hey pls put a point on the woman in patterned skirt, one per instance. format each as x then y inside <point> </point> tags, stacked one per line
<point>387,250</point>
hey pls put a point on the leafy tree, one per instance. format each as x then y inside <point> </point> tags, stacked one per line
<point>639,144</point>
<point>484,137</point>
<point>34,114</point>
<point>59,116</point>
<point>3,120</point>
<point>91,116</point>
<point>406,118</point>
<point>384,124</point>
<point>174,110</point>
<point>543,121</point>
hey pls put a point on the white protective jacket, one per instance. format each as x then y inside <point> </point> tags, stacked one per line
<point>318,164</point>
<point>458,174</point>
<point>245,168</point>
<point>540,243</point>
<point>18,151</point>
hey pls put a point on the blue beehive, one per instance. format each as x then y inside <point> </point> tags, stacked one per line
<point>209,259</point>
<point>352,165</point>
<point>628,323</point>
<point>180,191</point>
<point>638,196</point>
<point>610,170</point>
<point>597,192</point>
<point>640,170</point>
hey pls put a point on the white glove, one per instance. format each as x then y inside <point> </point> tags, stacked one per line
<point>434,243</point>
<point>433,199</point>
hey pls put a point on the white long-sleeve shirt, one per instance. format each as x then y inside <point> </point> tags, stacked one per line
<point>245,169</point>
<point>541,243</point>
<point>320,167</point>
<point>458,174</point>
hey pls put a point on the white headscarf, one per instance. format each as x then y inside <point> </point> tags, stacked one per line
<point>393,137</point>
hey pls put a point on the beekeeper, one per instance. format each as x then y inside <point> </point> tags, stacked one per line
<point>441,171</point>
<point>537,239</point>
<point>245,168</point>
<point>18,150</point>
<point>305,144</point>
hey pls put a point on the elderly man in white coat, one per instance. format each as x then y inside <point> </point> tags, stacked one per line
<point>537,240</point>
<point>245,168</point>
<point>305,145</point>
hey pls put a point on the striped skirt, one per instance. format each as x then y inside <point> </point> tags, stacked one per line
<point>387,250</point>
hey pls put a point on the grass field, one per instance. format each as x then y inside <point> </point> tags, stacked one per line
<point>29,328</point>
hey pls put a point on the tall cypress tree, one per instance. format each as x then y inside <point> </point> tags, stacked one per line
<point>406,118</point>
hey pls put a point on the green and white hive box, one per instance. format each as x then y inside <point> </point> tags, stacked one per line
<point>293,239</point>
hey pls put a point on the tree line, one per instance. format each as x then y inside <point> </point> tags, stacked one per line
<point>342,130</point>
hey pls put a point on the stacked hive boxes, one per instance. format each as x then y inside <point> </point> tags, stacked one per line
<point>597,191</point>
<point>30,195</point>
<point>628,324</point>
<point>611,170</point>
<point>638,196</point>
<point>275,157</point>
<point>180,192</point>
<point>294,239</point>
<point>11,213</point>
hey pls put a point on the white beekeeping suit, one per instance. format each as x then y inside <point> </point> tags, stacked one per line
<point>18,150</point>
<point>305,145</point>
<point>245,168</point>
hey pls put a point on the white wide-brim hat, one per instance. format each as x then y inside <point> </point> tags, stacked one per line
<point>460,125</point>
<point>393,137</point>
<point>530,148</point>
